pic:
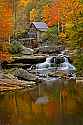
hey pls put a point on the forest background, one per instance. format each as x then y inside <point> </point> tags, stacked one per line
<point>64,19</point>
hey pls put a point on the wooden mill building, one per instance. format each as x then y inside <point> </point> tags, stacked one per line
<point>34,34</point>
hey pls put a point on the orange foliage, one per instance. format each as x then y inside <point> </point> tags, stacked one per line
<point>7,12</point>
<point>68,10</point>
<point>61,11</point>
<point>5,21</point>
<point>5,56</point>
<point>33,15</point>
<point>50,14</point>
<point>45,13</point>
<point>5,28</point>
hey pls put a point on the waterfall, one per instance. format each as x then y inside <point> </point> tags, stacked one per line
<point>66,60</point>
<point>67,66</point>
<point>47,66</point>
<point>48,59</point>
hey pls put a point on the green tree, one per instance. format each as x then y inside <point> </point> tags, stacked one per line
<point>52,34</point>
<point>71,11</point>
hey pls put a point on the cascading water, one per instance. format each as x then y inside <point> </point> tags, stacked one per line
<point>67,66</point>
<point>48,59</point>
<point>45,64</point>
<point>42,68</point>
<point>66,60</point>
<point>62,64</point>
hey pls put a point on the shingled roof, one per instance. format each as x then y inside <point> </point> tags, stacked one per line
<point>41,26</point>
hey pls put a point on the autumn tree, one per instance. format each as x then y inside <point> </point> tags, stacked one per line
<point>50,14</point>
<point>5,19</point>
<point>5,28</point>
<point>45,13</point>
<point>71,13</point>
<point>33,15</point>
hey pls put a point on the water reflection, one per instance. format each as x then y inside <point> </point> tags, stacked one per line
<point>58,104</point>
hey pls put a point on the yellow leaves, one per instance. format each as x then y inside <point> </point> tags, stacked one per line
<point>24,2</point>
<point>62,35</point>
<point>33,15</point>
<point>69,25</point>
<point>69,8</point>
<point>50,14</point>
<point>45,13</point>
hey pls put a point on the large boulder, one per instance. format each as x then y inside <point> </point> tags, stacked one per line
<point>25,75</point>
<point>27,51</point>
<point>29,59</point>
<point>49,49</point>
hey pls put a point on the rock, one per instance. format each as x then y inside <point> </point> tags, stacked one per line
<point>79,78</point>
<point>9,76</point>
<point>58,74</point>
<point>18,65</point>
<point>52,74</point>
<point>1,75</point>
<point>25,75</point>
<point>49,49</point>
<point>28,83</point>
<point>27,51</point>
<point>29,59</point>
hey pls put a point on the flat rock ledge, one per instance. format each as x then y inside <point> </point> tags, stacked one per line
<point>79,80</point>
<point>13,84</point>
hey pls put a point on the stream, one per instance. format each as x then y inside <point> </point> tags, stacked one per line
<point>52,102</point>
<point>57,103</point>
<point>58,63</point>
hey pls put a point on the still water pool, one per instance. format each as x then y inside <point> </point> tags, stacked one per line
<point>59,103</point>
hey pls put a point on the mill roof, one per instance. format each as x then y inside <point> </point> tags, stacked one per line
<point>41,26</point>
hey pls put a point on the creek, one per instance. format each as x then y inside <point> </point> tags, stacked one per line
<point>57,103</point>
<point>52,102</point>
<point>56,63</point>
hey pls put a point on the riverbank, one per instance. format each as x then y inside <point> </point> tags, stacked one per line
<point>9,82</point>
<point>79,80</point>
<point>28,71</point>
